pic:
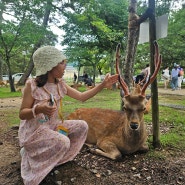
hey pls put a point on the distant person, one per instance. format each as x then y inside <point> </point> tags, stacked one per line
<point>166,77</point>
<point>89,82</point>
<point>180,77</point>
<point>75,77</point>
<point>147,71</point>
<point>139,77</point>
<point>174,77</point>
<point>85,77</point>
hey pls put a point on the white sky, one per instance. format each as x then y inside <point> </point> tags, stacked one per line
<point>60,34</point>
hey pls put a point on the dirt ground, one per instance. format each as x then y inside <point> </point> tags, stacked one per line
<point>136,169</point>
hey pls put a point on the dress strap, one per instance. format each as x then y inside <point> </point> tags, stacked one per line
<point>49,94</point>
<point>60,106</point>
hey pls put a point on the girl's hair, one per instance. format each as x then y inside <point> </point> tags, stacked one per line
<point>42,79</point>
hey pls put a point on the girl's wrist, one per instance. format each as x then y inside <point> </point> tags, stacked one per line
<point>34,112</point>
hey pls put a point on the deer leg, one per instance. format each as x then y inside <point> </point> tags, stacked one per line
<point>107,149</point>
<point>144,148</point>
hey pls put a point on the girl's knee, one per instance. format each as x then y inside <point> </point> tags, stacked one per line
<point>84,125</point>
<point>62,143</point>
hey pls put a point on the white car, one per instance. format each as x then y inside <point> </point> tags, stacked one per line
<point>5,77</point>
<point>18,76</point>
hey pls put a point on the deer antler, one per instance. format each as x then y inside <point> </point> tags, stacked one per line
<point>121,81</point>
<point>158,60</point>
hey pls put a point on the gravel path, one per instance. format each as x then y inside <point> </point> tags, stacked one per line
<point>170,92</point>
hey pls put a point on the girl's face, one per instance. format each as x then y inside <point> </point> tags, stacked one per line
<point>58,71</point>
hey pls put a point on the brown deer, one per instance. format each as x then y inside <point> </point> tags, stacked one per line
<point>116,133</point>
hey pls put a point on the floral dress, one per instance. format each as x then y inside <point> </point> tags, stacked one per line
<point>44,146</point>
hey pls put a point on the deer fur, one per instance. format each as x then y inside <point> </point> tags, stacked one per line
<point>116,133</point>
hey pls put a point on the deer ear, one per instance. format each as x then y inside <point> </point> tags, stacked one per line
<point>142,95</point>
<point>125,98</point>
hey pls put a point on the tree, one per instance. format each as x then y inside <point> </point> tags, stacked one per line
<point>95,24</point>
<point>19,35</point>
<point>172,46</point>
<point>40,41</point>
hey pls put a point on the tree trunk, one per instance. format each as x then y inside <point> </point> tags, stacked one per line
<point>133,37</point>
<point>11,80</point>
<point>1,19</point>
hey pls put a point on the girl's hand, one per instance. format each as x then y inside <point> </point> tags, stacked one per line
<point>46,109</point>
<point>110,80</point>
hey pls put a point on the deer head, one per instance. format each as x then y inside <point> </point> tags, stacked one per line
<point>135,103</point>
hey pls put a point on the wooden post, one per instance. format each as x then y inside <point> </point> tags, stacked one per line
<point>154,88</point>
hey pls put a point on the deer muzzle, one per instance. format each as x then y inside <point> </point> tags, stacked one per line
<point>134,125</point>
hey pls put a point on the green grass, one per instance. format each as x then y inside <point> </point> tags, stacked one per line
<point>105,99</point>
<point>13,117</point>
<point>6,93</point>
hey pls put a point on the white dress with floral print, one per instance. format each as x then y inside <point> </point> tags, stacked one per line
<point>44,147</point>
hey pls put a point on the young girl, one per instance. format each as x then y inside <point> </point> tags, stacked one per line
<point>46,140</point>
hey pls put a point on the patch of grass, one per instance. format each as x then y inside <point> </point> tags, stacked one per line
<point>170,139</point>
<point>157,154</point>
<point>6,93</point>
<point>171,116</point>
<point>105,99</point>
<point>13,118</point>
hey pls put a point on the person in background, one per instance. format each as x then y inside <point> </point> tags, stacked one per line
<point>180,77</point>
<point>75,77</point>
<point>166,77</point>
<point>147,71</point>
<point>174,77</point>
<point>46,140</point>
<point>85,76</point>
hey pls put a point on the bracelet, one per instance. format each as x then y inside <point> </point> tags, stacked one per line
<point>33,110</point>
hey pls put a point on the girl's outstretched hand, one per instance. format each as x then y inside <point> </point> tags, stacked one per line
<point>110,80</point>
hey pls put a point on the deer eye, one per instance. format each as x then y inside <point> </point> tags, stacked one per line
<point>142,110</point>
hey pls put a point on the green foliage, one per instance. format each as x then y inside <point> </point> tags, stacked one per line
<point>93,30</point>
<point>5,93</point>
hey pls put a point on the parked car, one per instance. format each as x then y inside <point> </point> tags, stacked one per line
<point>5,77</point>
<point>17,76</point>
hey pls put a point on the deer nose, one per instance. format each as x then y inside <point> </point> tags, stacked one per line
<point>134,125</point>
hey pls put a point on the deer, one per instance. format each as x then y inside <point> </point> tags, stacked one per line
<point>115,133</point>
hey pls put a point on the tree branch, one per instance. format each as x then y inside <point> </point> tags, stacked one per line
<point>148,13</point>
